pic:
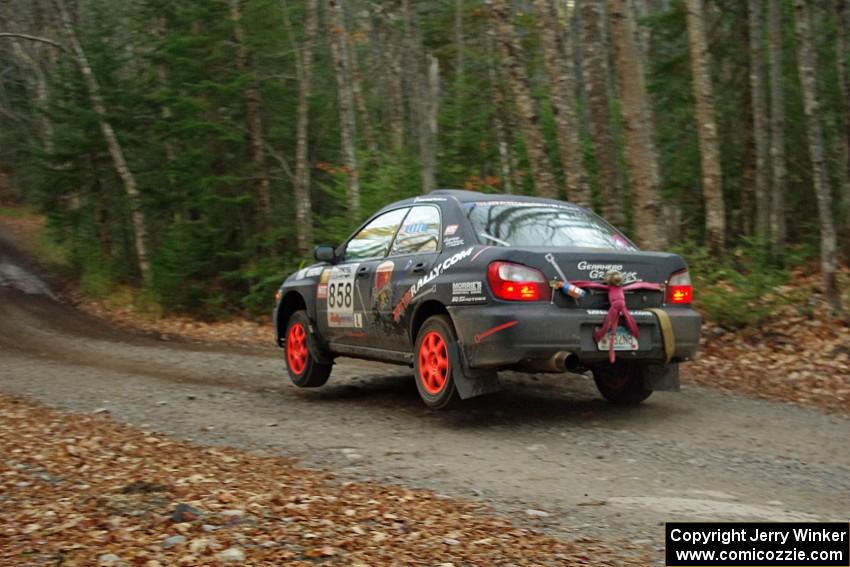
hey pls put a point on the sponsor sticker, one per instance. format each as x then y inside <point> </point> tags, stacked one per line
<point>435,272</point>
<point>635,313</point>
<point>340,295</point>
<point>467,288</point>
<point>322,291</point>
<point>453,242</point>
<point>468,299</point>
<point>598,271</point>
<point>382,285</point>
<point>450,230</point>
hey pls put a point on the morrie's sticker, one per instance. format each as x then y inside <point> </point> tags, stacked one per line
<point>453,242</point>
<point>467,288</point>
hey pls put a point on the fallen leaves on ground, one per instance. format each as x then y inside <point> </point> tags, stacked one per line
<point>800,355</point>
<point>85,490</point>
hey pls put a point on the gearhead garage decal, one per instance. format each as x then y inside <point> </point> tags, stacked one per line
<point>436,272</point>
<point>598,271</point>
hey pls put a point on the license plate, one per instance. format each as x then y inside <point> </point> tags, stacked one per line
<point>623,340</point>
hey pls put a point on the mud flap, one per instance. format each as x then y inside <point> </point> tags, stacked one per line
<point>317,350</point>
<point>470,383</point>
<point>661,377</point>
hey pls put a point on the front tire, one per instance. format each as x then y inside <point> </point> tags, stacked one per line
<point>621,383</point>
<point>304,370</point>
<point>432,364</point>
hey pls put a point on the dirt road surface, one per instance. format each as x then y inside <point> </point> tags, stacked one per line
<point>547,450</point>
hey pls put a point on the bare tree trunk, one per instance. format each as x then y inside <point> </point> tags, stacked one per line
<point>253,107</point>
<point>459,53</point>
<point>37,85</point>
<point>428,143</point>
<point>359,97</point>
<point>841,10</point>
<point>779,171</point>
<point>712,179</point>
<point>423,78</point>
<point>563,104</point>
<point>640,148</point>
<point>596,80</point>
<point>391,78</point>
<point>301,189</point>
<point>811,105</point>
<point>116,152</point>
<point>640,9</point>
<point>348,132</point>
<point>499,110</point>
<point>35,81</point>
<point>760,122</point>
<point>528,115</point>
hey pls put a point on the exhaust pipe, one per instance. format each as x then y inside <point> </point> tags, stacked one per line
<point>561,361</point>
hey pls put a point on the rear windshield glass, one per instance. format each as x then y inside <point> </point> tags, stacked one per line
<point>500,223</point>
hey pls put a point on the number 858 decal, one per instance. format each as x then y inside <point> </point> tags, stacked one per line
<point>340,296</point>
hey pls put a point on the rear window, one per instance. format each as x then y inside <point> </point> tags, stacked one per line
<point>543,224</point>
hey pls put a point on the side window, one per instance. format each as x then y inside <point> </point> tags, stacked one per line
<point>419,233</point>
<point>375,238</point>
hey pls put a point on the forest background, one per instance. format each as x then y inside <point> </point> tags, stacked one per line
<point>195,151</point>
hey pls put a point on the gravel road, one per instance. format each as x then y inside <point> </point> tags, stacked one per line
<point>547,450</point>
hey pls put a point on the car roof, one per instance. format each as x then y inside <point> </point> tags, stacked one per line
<point>464,196</point>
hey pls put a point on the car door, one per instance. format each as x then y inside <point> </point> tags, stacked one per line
<point>414,252</point>
<point>344,301</point>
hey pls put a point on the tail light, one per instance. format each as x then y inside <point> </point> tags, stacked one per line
<point>679,288</point>
<point>516,282</point>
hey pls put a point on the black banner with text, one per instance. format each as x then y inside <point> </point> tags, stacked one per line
<point>757,544</point>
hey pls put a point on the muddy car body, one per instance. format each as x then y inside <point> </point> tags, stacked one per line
<point>461,284</point>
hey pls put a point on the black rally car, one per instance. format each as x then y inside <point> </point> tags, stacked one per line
<point>461,284</point>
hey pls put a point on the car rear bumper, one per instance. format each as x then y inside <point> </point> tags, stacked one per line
<point>503,335</point>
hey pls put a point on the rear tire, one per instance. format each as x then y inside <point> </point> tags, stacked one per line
<point>621,383</point>
<point>432,364</point>
<point>304,370</point>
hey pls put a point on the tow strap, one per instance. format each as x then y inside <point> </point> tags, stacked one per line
<point>667,335</point>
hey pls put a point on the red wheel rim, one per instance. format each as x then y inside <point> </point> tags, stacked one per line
<point>433,363</point>
<point>296,348</point>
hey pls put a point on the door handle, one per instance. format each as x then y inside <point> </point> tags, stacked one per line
<point>418,268</point>
<point>362,271</point>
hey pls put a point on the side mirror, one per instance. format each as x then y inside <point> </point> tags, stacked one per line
<point>325,253</point>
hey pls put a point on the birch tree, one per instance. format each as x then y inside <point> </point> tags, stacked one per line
<point>712,178</point>
<point>778,167</point>
<point>527,112</point>
<point>641,156</point>
<point>596,81</point>
<point>814,132</point>
<point>301,188</point>
<point>561,95</point>
<point>116,151</point>
<point>760,121</point>
<point>841,14</point>
<point>253,113</point>
<point>339,54</point>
